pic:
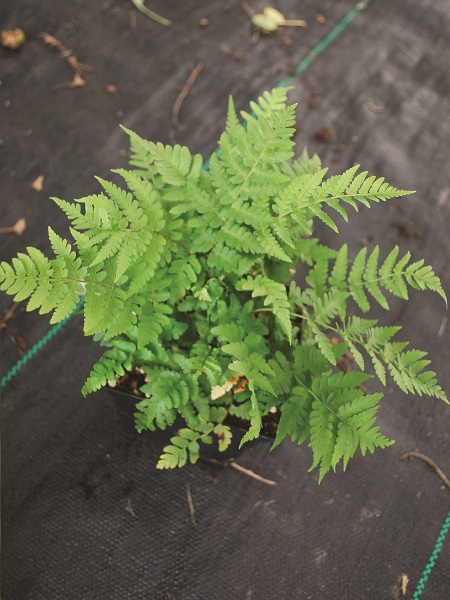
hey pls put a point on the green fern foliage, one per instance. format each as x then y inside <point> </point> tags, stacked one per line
<point>186,271</point>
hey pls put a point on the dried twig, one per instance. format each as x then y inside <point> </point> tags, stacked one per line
<point>191,504</point>
<point>442,327</point>
<point>231,463</point>
<point>10,314</point>
<point>71,59</point>
<point>429,461</point>
<point>250,473</point>
<point>247,8</point>
<point>184,92</point>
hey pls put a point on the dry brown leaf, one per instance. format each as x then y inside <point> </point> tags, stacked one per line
<point>38,183</point>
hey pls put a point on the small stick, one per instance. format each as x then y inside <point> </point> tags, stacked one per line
<point>184,92</point>
<point>429,462</point>
<point>71,59</point>
<point>68,55</point>
<point>251,474</point>
<point>10,313</point>
<point>231,463</point>
<point>18,227</point>
<point>191,505</point>
<point>442,327</point>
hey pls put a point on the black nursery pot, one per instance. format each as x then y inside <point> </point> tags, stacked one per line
<point>125,404</point>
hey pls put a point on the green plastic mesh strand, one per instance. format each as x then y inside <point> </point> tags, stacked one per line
<point>433,558</point>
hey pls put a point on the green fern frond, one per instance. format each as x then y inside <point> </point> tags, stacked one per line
<point>175,164</point>
<point>304,165</point>
<point>153,317</point>
<point>407,370</point>
<point>115,361</point>
<point>267,104</point>
<point>48,284</point>
<point>255,422</point>
<point>337,431</point>
<point>182,447</point>
<point>275,295</point>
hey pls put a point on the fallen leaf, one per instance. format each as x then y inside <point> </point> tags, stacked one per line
<point>38,183</point>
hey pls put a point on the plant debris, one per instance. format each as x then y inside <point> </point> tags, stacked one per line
<point>324,135</point>
<point>429,461</point>
<point>375,108</point>
<point>182,96</point>
<point>139,4</point>
<point>18,227</point>
<point>404,583</point>
<point>190,504</point>
<point>74,63</point>
<point>129,508</point>
<point>13,39</point>
<point>268,23</point>
<point>237,56</point>
<point>10,314</point>
<point>406,230</point>
<point>38,183</point>
<point>271,19</point>
<point>321,19</point>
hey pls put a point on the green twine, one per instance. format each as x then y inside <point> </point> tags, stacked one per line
<point>433,558</point>
<point>330,37</point>
<point>38,346</point>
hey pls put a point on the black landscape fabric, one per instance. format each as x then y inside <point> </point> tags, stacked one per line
<point>85,513</point>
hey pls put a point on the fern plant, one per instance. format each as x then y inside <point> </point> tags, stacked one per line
<point>187,276</point>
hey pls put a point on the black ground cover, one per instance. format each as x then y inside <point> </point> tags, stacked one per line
<point>85,513</point>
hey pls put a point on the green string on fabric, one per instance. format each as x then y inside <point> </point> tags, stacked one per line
<point>38,346</point>
<point>433,558</point>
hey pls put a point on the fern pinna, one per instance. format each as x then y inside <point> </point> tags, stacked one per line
<point>187,275</point>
